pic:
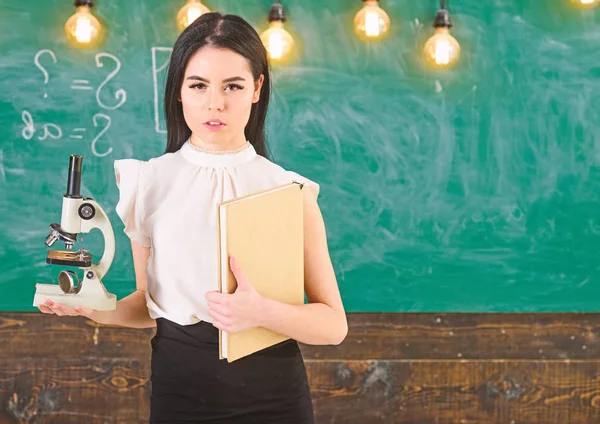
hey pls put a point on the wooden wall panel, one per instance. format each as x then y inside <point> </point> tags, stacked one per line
<point>392,368</point>
<point>57,390</point>
<point>430,391</point>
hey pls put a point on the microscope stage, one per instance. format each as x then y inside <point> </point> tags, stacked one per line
<point>65,257</point>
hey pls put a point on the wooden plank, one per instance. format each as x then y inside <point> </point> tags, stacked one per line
<point>371,336</point>
<point>65,391</point>
<point>466,336</point>
<point>423,392</point>
<point>30,335</point>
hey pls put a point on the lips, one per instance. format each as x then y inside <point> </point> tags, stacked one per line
<point>215,122</point>
<point>217,126</point>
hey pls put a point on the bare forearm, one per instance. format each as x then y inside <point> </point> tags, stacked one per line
<point>312,323</point>
<point>131,311</point>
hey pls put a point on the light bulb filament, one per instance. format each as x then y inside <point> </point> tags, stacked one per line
<point>193,14</point>
<point>83,30</point>
<point>276,45</point>
<point>442,52</point>
<point>372,24</point>
<point>190,12</point>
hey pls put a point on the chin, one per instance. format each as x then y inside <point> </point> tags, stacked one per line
<point>205,134</point>
<point>219,135</point>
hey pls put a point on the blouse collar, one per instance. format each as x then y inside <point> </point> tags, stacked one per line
<point>217,159</point>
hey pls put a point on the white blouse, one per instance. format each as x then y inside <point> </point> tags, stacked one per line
<point>169,203</point>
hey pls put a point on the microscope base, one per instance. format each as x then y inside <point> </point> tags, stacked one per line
<point>55,294</point>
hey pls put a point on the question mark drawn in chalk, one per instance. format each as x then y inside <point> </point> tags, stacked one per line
<point>36,60</point>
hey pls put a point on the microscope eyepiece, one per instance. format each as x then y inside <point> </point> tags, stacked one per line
<point>74,181</point>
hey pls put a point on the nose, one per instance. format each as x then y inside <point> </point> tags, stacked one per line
<point>216,100</point>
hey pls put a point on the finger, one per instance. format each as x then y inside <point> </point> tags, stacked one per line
<point>72,312</point>
<point>59,310</point>
<point>221,326</point>
<point>217,307</point>
<point>67,310</point>
<point>216,316</point>
<point>50,305</point>
<point>216,297</point>
<point>56,311</point>
<point>44,309</point>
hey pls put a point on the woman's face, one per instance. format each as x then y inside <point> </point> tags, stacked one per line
<point>218,84</point>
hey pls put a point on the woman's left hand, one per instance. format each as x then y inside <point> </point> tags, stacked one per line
<point>237,311</point>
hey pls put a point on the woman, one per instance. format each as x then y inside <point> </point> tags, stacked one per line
<point>216,101</point>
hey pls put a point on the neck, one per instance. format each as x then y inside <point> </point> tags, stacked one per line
<point>218,146</point>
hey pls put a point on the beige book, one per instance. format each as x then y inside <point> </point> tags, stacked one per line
<point>264,231</point>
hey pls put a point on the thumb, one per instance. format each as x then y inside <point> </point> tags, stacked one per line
<point>240,277</point>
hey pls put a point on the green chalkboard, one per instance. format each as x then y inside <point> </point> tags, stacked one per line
<point>475,189</point>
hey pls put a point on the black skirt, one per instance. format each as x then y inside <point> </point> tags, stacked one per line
<point>190,384</point>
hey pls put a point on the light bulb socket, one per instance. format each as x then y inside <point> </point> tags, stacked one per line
<point>442,19</point>
<point>79,3</point>
<point>276,13</point>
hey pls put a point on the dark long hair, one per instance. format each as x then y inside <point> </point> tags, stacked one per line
<point>221,31</point>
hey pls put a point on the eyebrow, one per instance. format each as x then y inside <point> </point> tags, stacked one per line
<point>197,78</point>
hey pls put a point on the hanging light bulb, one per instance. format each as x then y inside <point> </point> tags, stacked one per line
<point>371,22</point>
<point>189,13</point>
<point>276,39</point>
<point>83,28</point>
<point>442,50</point>
<point>586,4</point>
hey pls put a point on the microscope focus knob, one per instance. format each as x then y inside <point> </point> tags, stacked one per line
<point>87,211</point>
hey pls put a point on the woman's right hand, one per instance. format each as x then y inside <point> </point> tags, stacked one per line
<point>49,307</point>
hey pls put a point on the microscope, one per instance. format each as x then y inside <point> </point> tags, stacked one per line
<point>79,215</point>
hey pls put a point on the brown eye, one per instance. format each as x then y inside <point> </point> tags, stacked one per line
<point>236,86</point>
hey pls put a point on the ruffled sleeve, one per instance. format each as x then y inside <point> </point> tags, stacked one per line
<point>299,178</point>
<point>128,173</point>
